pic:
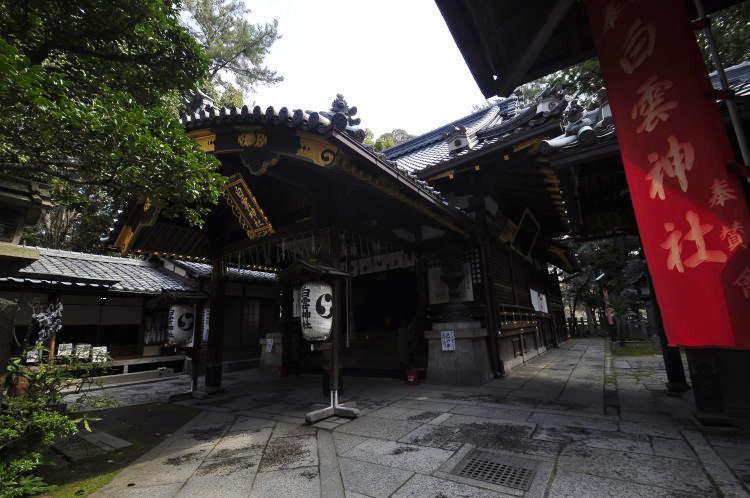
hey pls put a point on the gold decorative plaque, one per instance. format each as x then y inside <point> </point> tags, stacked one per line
<point>205,139</point>
<point>252,139</point>
<point>246,208</point>
<point>316,150</point>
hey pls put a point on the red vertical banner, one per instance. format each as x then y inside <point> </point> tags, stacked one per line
<point>691,212</point>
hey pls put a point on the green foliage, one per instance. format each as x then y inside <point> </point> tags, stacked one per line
<point>233,45</point>
<point>390,139</point>
<point>33,415</point>
<point>583,79</point>
<point>615,263</point>
<point>74,226</point>
<point>231,97</point>
<point>731,30</point>
<point>90,97</point>
<point>369,137</point>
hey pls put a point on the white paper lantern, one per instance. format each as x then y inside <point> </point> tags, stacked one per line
<point>316,311</point>
<point>295,302</point>
<point>181,325</point>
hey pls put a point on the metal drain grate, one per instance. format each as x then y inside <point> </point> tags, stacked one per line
<point>503,470</point>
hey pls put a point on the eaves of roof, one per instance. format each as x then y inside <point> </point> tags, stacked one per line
<point>314,122</point>
<point>50,282</point>
<point>203,270</point>
<point>310,121</point>
<point>476,120</point>
<point>488,147</point>
<point>418,186</point>
<point>335,128</point>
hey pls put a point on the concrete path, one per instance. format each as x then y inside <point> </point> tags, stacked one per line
<point>572,422</point>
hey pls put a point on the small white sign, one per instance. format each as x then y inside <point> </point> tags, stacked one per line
<point>448,340</point>
<point>538,301</point>
<point>32,356</point>
<point>65,349</point>
<point>83,351</point>
<point>99,354</point>
<point>269,345</point>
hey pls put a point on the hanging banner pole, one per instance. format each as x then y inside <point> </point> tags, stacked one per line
<point>690,208</point>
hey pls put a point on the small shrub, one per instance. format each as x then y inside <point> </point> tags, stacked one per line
<point>33,415</point>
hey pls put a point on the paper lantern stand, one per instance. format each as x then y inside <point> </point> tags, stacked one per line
<point>323,315</point>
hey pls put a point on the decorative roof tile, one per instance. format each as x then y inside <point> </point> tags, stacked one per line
<point>601,128</point>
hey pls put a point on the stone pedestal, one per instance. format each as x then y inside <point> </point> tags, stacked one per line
<point>270,361</point>
<point>468,365</point>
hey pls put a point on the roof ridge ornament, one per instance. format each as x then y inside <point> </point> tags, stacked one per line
<point>198,101</point>
<point>340,106</point>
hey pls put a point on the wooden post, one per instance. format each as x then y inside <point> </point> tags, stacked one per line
<point>215,354</point>
<point>676,381</point>
<point>196,353</point>
<point>52,342</point>
<point>492,328</point>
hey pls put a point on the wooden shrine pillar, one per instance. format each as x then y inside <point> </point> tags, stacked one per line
<point>676,380</point>
<point>492,318</point>
<point>215,353</point>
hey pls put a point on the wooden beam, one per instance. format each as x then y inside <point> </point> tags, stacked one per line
<point>522,65</point>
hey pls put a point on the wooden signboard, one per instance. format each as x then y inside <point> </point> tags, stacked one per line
<point>246,208</point>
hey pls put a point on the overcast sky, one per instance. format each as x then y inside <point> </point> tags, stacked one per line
<point>394,59</point>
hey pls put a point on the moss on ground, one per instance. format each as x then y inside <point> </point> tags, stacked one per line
<point>644,348</point>
<point>143,425</point>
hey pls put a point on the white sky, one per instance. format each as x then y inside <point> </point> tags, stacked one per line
<point>394,59</point>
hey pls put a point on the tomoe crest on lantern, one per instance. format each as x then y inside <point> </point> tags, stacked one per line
<point>316,311</point>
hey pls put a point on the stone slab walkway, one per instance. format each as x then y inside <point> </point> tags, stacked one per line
<point>411,440</point>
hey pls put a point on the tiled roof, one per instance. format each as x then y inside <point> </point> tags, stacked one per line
<point>325,123</point>
<point>492,125</point>
<point>204,270</point>
<point>75,269</point>
<point>316,122</point>
<point>431,148</point>
<point>738,77</point>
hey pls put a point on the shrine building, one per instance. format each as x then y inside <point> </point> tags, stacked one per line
<point>453,231</point>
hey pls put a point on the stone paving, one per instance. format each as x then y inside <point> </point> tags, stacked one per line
<point>410,440</point>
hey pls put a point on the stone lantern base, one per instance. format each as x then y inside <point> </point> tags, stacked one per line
<point>468,365</point>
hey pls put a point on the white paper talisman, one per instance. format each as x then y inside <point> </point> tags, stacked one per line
<point>316,311</point>
<point>99,354</point>
<point>269,344</point>
<point>83,351</point>
<point>181,325</point>
<point>32,356</point>
<point>448,340</point>
<point>65,349</point>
